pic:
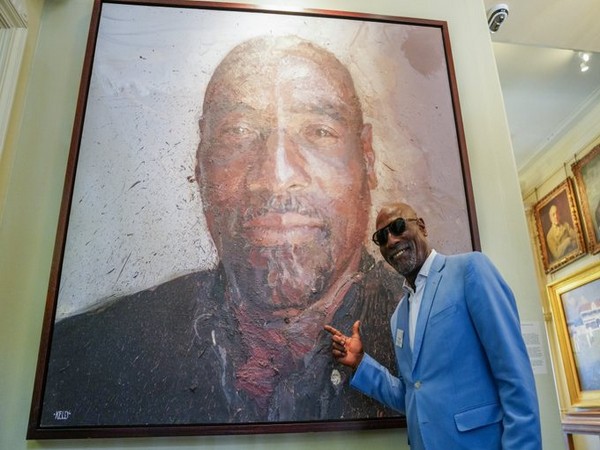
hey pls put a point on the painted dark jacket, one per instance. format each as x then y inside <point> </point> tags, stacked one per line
<point>168,355</point>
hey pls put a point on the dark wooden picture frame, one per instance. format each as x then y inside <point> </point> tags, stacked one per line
<point>180,305</point>
<point>587,180</point>
<point>559,232</point>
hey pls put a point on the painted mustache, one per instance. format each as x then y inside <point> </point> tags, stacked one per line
<point>298,207</point>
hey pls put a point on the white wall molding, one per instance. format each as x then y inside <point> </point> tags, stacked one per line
<point>12,45</point>
<point>13,35</point>
<point>13,14</point>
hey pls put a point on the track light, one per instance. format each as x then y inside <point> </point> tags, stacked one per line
<point>585,58</point>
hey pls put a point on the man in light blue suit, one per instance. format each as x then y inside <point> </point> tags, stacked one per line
<point>465,380</point>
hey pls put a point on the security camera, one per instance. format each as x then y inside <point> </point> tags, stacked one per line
<point>496,16</point>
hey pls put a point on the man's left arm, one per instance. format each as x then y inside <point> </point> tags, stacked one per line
<point>494,313</point>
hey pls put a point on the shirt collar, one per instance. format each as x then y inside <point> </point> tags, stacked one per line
<point>423,273</point>
<point>427,264</point>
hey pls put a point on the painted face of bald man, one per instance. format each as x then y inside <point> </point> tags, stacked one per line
<point>285,167</point>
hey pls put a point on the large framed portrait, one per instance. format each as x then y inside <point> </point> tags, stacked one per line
<point>226,168</point>
<point>587,179</point>
<point>559,232</point>
<point>575,307</point>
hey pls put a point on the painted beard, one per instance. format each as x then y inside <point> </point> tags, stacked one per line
<point>291,276</point>
<point>285,275</point>
<point>281,277</point>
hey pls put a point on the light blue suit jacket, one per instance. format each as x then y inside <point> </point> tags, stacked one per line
<point>468,383</point>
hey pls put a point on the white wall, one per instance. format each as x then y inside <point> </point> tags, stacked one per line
<point>41,131</point>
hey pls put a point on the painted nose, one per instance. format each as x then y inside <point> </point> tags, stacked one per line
<point>280,164</point>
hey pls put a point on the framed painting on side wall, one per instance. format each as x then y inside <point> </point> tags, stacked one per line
<point>559,232</point>
<point>587,179</point>
<point>224,176</point>
<point>575,307</point>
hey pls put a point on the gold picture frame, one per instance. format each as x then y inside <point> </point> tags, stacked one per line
<point>575,308</point>
<point>587,179</point>
<point>559,231</point>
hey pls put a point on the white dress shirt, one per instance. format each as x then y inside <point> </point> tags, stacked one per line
<point>415,296</point>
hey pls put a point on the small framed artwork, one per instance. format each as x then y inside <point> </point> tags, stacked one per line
<point>587,179</point>
<point>558,228</point>
<point>225,173</point>
<point>575,307</point>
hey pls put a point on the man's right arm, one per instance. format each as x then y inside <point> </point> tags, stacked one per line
<point>374,380</point>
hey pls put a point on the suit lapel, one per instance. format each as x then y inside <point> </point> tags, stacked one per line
<point>431,286</point>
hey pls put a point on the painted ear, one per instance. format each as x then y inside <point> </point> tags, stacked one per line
<point>366,138</point>
<point>202,131</point>
<point>422,226</point>
<point>197,171</point>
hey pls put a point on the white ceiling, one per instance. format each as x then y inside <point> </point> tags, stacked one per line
<point>536,52</point>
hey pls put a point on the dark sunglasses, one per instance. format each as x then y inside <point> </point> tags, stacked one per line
<point>396,227</point>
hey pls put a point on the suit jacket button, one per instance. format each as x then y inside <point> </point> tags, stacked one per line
<point>418,385</point>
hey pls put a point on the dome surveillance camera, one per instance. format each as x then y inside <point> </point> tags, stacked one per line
<point>496,16</point>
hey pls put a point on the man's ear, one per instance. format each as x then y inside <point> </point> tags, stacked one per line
<point>366,138</point>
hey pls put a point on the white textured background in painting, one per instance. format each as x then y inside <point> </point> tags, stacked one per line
<point>136,218</point>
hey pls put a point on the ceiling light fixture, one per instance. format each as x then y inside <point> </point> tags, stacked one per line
<point>585,58</point>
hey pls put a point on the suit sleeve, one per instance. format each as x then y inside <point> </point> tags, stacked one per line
<point>374,380</point>
<point>493,310</point>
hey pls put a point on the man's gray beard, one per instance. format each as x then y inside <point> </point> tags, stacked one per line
<point>285,276</point>
<point>407,266</point>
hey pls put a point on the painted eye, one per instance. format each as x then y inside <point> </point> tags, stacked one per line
<point>319,132</point>
<point>323,132</point>
<point>238,130</point>
<point>237,135</point>
<point>233,141</point>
